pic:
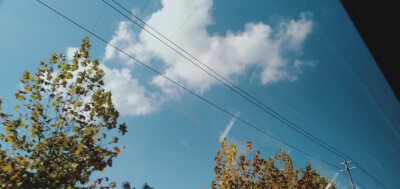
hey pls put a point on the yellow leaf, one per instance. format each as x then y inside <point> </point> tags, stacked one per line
<point>27,89</point>
<point>113,185</point>
<point>78,104</point>
<point>72,90</point>
<point>16,107</point>
<point>54,175</point>
<point>13,178</point>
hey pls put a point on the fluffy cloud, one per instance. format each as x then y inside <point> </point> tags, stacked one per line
<point>71,52</point>
<point>258,45</point>
<point>129,97</point>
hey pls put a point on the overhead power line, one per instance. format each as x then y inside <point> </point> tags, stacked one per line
<point>145,6</point>
<point>227,83</point>
<point>211,102</point>
<point>359,184</point>
<point>369,174</point>
<point>243,93</point>
<point>186,89</point>
<point>98,18</point>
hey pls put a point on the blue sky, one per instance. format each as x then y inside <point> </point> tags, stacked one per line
<point>305,60</point>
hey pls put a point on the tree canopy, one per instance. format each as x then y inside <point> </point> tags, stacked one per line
<point>63,128</point>
<point>127,185</point>
<point>146,186</point>
<point>237,172</point>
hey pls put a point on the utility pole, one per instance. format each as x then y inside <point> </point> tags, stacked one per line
<point>348,172</point>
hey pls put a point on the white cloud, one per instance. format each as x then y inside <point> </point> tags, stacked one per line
<point>129,97</point>
<point>71,52</point>
<point>294,32</point>
<point>258,45</point>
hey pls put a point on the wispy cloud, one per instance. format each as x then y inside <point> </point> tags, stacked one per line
<point>185,144</point>
<point>289,151</point>
<point>228,127</point>
<point>333,179</point>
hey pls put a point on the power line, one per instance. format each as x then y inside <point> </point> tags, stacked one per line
<point>186,89</point>
<point>369,174</point>
<point>245,95</point>
<point>206,99</point>
<point>274,114</point>
<point>357,183</point>
<point>183,23</point>
<point>145,6</point>
<point>98,18</point>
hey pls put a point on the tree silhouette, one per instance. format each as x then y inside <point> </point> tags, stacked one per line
<point>127,185</point>
<point>146,186</point>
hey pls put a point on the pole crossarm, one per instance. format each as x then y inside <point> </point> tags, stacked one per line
<point>348,171</point>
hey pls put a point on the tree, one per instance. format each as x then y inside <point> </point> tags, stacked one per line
<point>59,136</point>
<point>146,186</point>
<point>259,173</point>
<point>127,185</point>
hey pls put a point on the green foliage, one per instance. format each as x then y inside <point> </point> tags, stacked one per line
<point>59,136</point>
<point>233,172</point>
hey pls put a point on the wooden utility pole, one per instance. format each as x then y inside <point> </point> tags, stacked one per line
<point>348,172</point>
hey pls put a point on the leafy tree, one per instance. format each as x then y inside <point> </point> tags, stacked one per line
<point>127,185</point>
<point>59,138</point>
<point>260,173</point>
<point>146,186</point>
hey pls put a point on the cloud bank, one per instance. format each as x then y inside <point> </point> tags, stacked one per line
<point>273,51</point>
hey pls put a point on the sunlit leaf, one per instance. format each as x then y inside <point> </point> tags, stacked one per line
<point>53,139</point>
<point>262,173</point>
